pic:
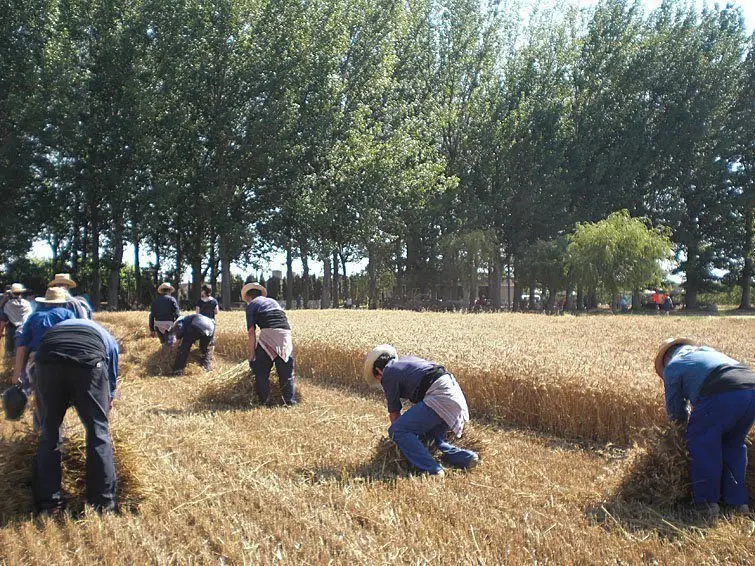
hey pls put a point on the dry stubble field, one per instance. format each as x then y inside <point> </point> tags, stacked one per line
<point>555,402</point>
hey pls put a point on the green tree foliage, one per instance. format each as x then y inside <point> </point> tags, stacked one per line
<point>619,253</point>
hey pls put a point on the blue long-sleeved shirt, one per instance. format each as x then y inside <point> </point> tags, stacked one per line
<point>684,375</point>
<point>164,307</point>
<point>401,378</point>
<point>46,316</point>
<point>111,348</point>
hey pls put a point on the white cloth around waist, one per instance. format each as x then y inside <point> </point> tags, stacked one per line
<point>444,396</point>
<point>277,342</point>
<point>164,325</point>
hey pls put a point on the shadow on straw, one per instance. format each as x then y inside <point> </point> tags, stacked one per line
<point>234,390</point>
<point>386,462</point>
<point>17,456</point>
<point>654,496</point>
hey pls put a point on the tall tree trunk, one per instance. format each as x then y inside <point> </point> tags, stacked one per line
<point>747,270</point>
<point>114,281</point>
<point>580,298</point>
<point>636,301</point>
<point>96,280</point>
<point>325,300</point>
<point>372,274</point>
<point>346,287</point>
<point>213,263</point>
<point>157,267</point>
<point>592,298</point>
<point>196,277</point>
<point>305,272</point>
<point>496,281</point>
<point>569,297</point>
<point>179,266</point>
<point>137,266</point>
<point>289,277</point>
<point>510,301</point>
<point>692,284</point>
<point>225,262</point>
<point>532,296</point>
<point>336,294</point>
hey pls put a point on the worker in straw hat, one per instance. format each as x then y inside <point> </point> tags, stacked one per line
<point>439,406</point>
<point>13,315</point>
<point>76,364</point>
<point>189,329</point>
<point>51,310</point>
<point>721,391</point>
<point>163,314</point>
<point>78,305</point>
<point>275,344</point>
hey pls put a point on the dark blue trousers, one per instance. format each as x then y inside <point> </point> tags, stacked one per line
<point>261,367</point>
<point>206,347</point>
<point>57,387</point>
<point>420,423</point>
<point>715,438</point>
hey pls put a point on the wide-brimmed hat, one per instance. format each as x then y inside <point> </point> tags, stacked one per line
<point>667,344</point>
<point>17,288</point>
<point>369,362</point>
<point>55,295</point>
<point>62,280</point>
<point>165,287</point>
<point>250,286</point>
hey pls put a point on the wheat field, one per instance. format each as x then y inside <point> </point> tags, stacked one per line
<point>557,405</point>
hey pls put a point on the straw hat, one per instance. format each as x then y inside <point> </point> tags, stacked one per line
<point>369,362</point>
<point>667,344</point>
<point>17,288</point>
<point>165,287</point>
<point>250,286</point>
<point>55,295</point>
<point>62,280</point>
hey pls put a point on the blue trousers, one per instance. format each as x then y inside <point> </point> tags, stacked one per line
<point>261,367</point>
<point>420,423</point>
<point>57,386</point>
<point>715,438</point>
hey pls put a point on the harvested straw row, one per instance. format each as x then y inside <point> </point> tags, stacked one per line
<point>234,388</point>
<point>17,455</point>
<point>657,470</point>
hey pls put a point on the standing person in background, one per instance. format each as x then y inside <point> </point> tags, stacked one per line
<point>189,329</point>
<point>77,364</point>
<point>13,315</point>
<point>668,305</point>
<point>163,314</point>
<point>721,391</point>
<point>274,346</point>
<point>78,305</point>
<point>439,406</point>
<point>207,304</point>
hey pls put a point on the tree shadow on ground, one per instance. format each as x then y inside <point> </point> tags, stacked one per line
<point>17,457</point>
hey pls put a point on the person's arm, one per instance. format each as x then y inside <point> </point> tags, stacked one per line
<point>176,309</point>
<point>152,321</point>
<point>2,327</point>
<point>217,307</point>
<point>394,416</point>
<point>252,343</point>
<point>22,352</point>
<point>676,404</point>
<point>196,310</point>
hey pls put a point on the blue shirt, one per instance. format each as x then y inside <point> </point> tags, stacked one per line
<point>684,375</point>
<point>39,322</point>
<point>265,312</point>
<point>401,378</point>
<point>111,348</point>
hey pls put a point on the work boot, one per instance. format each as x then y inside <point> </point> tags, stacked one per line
<point>741,509</point>
<point>473,462</point>
<point>709,511</point>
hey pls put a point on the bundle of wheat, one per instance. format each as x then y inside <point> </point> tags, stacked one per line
<point>387,461</point>
<point>658,468</point>
<point>234,388</point>
<point>17,454</point>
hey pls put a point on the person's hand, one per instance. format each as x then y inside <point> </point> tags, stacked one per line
<point>110,407</point>
<point>152,334</point>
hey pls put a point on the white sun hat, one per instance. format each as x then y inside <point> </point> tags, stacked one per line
<point>369,362</point>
